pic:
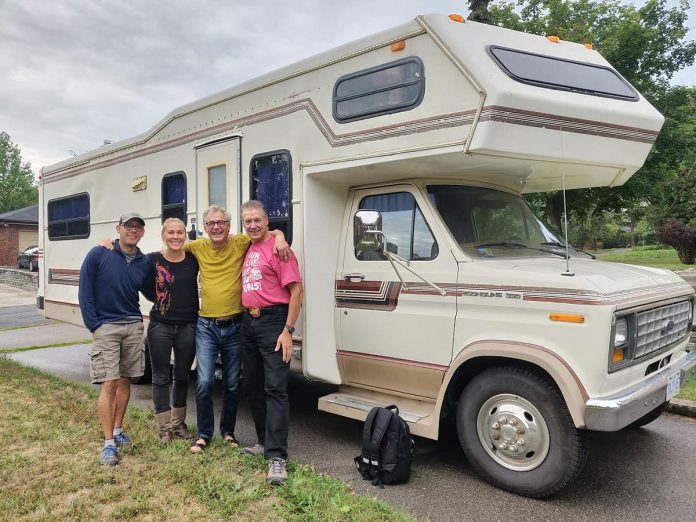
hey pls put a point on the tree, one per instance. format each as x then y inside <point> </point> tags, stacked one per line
<point>17,186</point>
<point>479,11</point>
<point>647,46</point>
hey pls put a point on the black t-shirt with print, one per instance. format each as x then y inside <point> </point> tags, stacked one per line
<point>175,290</point>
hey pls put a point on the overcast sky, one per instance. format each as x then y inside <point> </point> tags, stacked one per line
<point>76,72</point>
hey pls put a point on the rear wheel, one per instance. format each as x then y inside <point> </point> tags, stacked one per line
<point>33,266</point>
<point>517,433</point>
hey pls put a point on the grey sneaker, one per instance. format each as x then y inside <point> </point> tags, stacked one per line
<point>109,456</point>
<point>256,449</point>
<point>123,441</point>
<point>277,474</point>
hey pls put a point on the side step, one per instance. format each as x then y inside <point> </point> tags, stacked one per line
<point>355,403</point>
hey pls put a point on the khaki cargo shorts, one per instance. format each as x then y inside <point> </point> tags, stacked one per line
<point>118,350</point>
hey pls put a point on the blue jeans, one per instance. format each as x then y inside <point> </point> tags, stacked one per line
<point>212,338</point>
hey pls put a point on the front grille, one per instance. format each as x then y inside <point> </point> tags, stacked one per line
<point>661,327</point>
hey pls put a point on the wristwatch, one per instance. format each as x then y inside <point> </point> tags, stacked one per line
<point>290,329</point>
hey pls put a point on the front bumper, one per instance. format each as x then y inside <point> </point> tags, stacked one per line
<point>621,409</point>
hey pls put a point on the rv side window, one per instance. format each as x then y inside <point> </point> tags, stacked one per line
<point>217,186</point>
<point>556,73</point>
<point>174,196</point>
<point>68,217</point>
<point>392,87</point>
<point>270,184</point>
<point>408,235</point>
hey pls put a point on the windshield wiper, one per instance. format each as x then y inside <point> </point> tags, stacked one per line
<point>519,245</point>
<point>557,244</point>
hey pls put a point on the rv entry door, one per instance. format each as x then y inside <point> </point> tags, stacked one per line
<point>218,179</point>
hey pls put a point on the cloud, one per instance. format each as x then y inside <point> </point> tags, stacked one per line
<point>79,71</point>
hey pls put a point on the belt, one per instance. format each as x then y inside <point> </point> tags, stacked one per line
<point>224,320</point>
<point>258,312</point>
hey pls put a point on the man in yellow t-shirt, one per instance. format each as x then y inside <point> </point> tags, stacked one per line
<point>220,259</point>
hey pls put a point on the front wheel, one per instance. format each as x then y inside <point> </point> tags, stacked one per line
<point>516,431</point>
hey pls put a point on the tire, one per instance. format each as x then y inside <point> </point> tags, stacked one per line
<point>32,266</point>
<point>146,377</point>
<point>648,418</point>
<point>517,433</point>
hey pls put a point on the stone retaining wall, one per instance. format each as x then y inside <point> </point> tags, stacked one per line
<point>19,278</point>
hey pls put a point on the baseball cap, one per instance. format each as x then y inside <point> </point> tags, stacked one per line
<point>131,215</point>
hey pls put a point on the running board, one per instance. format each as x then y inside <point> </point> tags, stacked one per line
<point>355,403</point>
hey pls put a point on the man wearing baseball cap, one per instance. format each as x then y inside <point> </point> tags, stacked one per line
<point>109,284</point>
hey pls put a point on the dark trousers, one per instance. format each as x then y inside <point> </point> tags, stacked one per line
<point>265,378</point>
<point>161,339</point>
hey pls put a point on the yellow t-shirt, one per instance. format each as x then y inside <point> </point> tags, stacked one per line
<point>220,271</point>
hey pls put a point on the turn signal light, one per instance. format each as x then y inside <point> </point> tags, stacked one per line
<point>457,18</point>
<point>567,318</point>
<point>618,356</point>
<point>554,39</point>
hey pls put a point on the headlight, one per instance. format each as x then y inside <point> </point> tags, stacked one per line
<point>619,346</point>
<point>620,332</point>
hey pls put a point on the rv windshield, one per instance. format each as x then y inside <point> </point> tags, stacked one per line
<point>490,224</point>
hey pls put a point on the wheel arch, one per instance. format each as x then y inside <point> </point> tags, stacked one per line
<point>479,356</point>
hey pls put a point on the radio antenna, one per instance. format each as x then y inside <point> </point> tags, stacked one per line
<point>565,212</point>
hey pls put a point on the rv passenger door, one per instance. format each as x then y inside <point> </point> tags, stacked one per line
<point>218,180</point>
<point>396,336</point>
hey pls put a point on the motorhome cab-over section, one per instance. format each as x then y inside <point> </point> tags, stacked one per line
<point>396,166</point>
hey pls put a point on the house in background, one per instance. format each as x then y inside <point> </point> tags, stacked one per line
<point>19,229</point>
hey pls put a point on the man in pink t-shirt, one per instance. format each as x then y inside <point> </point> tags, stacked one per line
<point>272,296</point>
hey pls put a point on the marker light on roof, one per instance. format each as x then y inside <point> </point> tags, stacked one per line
<point>457,18</point>
<point>554,39</point>
<point>398,46</point>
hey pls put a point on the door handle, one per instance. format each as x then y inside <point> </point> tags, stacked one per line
<point>353,277</point>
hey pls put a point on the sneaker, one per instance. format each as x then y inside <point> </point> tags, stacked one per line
<point>277,474</point>
<point>123,441</point>
<point>109,456</point>
<point>256,449</point>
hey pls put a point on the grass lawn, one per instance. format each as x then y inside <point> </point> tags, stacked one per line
<point>666,258</point>
<point>688,392</point>
<point>49,468</point>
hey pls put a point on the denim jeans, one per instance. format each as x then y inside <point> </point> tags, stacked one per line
<point>212,338</point>
<point>266,379</point>
<point>162,338</point>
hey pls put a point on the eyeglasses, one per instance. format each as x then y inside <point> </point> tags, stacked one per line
<point>137,228</point>
<point>213,224</point>
<point>249,222</point>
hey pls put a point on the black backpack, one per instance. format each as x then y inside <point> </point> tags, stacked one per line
<point>387,448</point>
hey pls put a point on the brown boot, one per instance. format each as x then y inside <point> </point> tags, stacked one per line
<point>179,424</point>
<point>164,425</point>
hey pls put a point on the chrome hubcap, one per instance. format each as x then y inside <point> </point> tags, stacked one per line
<point>513,432</point>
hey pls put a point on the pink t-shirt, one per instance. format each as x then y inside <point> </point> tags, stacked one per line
<point>265,277</point>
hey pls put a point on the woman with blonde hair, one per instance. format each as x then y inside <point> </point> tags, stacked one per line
<point>172,327</point>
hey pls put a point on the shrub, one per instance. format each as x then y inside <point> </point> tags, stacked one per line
<point>680,237</point>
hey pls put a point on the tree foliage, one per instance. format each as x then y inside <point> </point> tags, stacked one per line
<point>17,186</point>
<point>681,237</point>
<point>647,45</point>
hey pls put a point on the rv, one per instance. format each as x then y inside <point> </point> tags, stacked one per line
<point>396,166</point>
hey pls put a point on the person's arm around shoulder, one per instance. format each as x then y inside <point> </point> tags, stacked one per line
<point>148,288</point>
<point>281,248</point>
<point>285,337</point>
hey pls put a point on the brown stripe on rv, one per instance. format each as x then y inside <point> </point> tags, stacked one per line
<point>456,119</point>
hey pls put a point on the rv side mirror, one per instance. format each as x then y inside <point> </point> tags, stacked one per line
<point>367,231</point>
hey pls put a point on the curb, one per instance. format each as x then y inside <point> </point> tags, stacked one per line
<point>682,407</point>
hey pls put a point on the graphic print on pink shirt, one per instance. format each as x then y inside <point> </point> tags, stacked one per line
<point>265,277</point>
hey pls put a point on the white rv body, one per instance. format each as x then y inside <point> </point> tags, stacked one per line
<point>417,337</point>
